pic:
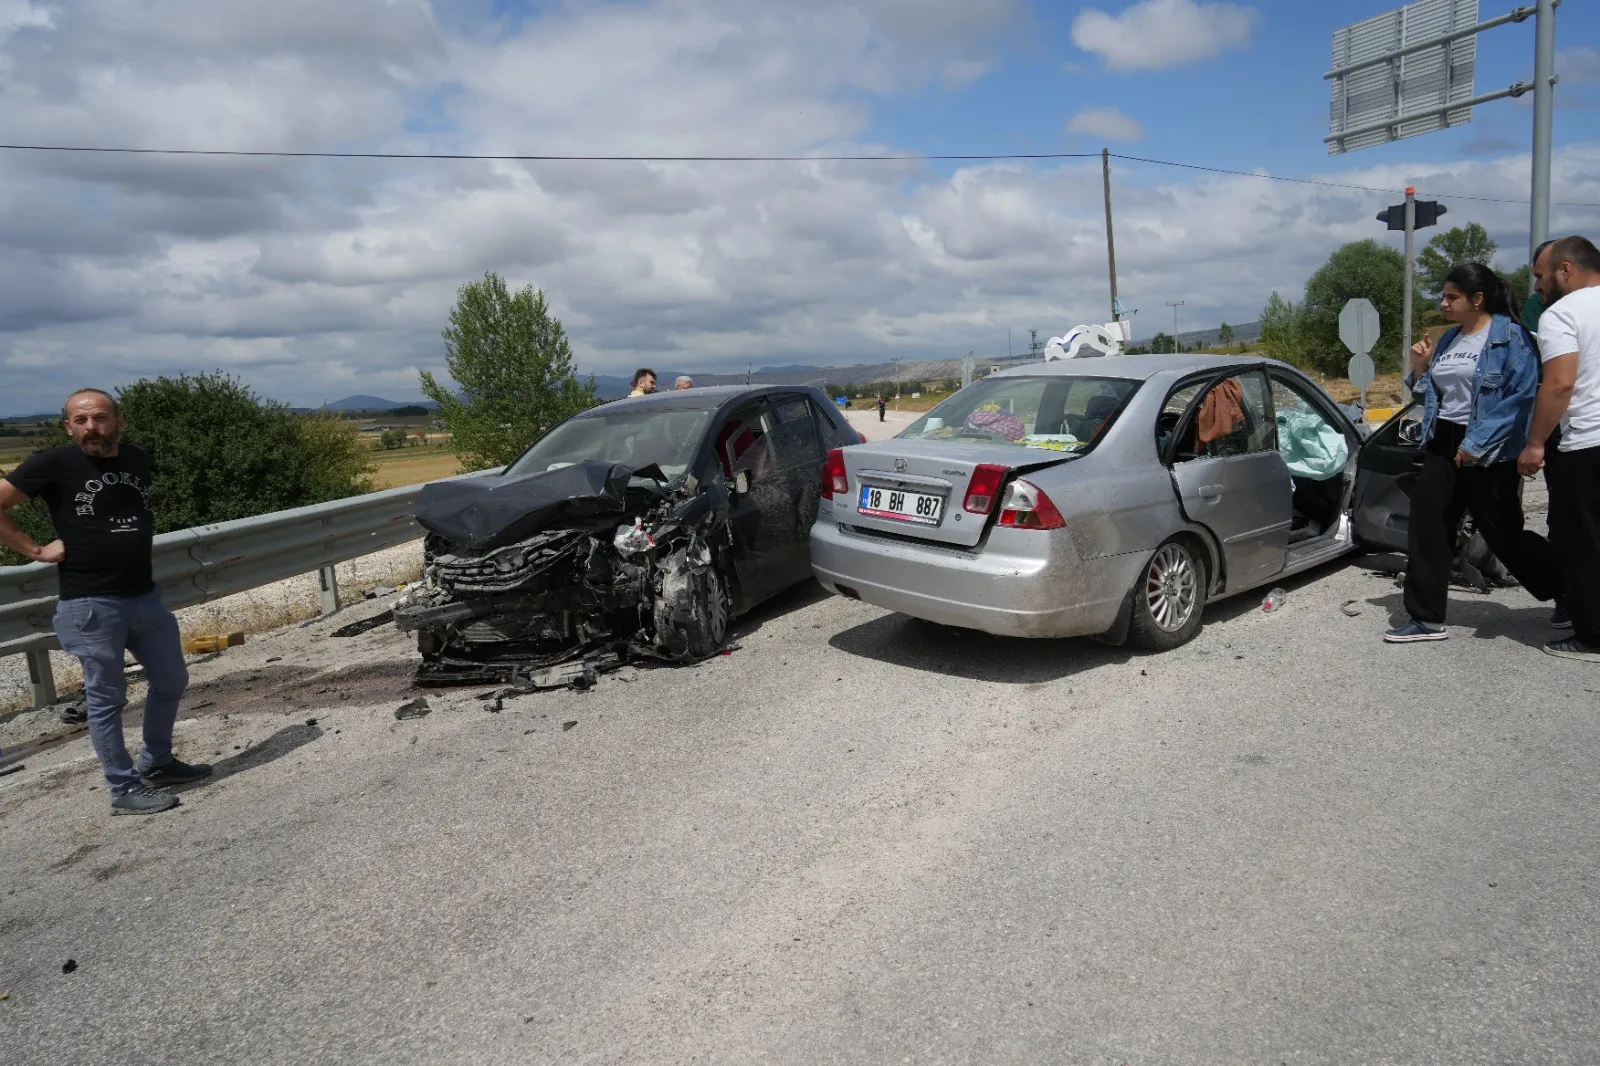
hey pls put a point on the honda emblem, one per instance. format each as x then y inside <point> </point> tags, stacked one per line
<point>900,466</point>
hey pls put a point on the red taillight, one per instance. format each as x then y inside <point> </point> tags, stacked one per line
<point>834,479</point>
<point>1027,507</point>
<point>984,488</point>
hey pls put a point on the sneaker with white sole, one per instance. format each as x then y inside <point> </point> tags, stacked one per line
<point>1573,648</point>
<point>1414,631</point>
<point>1560,619</point>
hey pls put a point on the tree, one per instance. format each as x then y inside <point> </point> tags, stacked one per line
<point>1280,331</point>
<point>1521,282</point>
<point>412,410</point>
<point>390,439</point>
<point>1463,244</point>
<point>219,452</point>
<point>338,461</point>
<point>1225,335</point>
<point>511,360</point>
<point>1161,344</point>
<point>1360,268</point>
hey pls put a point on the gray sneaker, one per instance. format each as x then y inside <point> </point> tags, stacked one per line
<point>145,799</point>
<point>1573,648</point>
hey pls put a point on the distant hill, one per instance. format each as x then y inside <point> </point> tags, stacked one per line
<point>1247,332</point>
<point>360,402</point>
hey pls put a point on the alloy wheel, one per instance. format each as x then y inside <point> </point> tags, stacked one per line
<point>1172,587</point>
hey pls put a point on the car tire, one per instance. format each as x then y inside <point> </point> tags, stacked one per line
<point>1168,598</point>
<point>693,609</point>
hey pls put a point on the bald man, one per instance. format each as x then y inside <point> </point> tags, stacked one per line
<point>98,491</point>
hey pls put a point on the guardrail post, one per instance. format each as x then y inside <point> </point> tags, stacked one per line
<point>42,678</point>
<point>330,589</point>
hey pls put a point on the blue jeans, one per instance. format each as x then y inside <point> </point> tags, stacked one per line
<point>98,630</point>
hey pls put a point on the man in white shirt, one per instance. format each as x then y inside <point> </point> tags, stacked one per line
<point>1568,275</point>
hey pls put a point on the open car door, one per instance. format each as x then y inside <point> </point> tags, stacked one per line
<point>1386,475</point>
<point>1229,475</point>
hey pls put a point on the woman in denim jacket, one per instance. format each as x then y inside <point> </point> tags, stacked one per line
<point>1477,395</point>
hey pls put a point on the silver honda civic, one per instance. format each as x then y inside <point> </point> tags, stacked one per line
<point>1108,497</point>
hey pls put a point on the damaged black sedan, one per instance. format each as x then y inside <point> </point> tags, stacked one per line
<point>637,529</point>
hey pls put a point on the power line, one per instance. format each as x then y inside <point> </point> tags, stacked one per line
<point>974,157</point>
<point>1330,184</point>
<point>918,157</point>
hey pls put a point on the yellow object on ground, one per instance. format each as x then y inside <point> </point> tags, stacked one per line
<point>218,642</point>
<point>1379,415</point>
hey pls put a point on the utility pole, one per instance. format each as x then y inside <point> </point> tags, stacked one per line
<point>1111,243</point>
<point>1405,305</point>
<point>1544,91</point>
<point>1174,307</point>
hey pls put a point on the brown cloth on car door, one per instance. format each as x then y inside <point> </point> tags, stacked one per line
<point>1222,411</point>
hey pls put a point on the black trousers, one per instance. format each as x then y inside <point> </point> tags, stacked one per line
<point>1575,520</point>
<point>1443,493</point>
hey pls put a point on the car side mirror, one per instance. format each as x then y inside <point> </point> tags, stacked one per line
<point>1411,432</point>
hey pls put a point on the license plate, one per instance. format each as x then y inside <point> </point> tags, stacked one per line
<point>900,505</point>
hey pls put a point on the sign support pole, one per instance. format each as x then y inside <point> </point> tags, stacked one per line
<point>1405,307</point>
<point>1544,79</point>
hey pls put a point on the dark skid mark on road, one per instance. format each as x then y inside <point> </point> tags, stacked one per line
<point>918,645</point>
<point>284,688</point>
<point>273,689</point>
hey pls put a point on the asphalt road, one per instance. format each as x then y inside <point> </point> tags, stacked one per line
<point>857,838</point>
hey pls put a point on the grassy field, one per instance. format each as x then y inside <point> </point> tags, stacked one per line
<point>412,466</point>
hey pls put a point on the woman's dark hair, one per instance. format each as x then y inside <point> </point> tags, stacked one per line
<point>1473,278</point>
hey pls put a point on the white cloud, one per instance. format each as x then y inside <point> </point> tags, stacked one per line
<point>1106,122</point>
<point>1580,65</point>
<point>1156,34</point>
<point>313,280</point>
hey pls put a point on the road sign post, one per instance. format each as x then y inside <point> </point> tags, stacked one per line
<point>1410,216</point>
<point>1405,306</point>
<point>1358,330</point>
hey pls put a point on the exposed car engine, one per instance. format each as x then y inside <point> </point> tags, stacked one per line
<point>592,564</point>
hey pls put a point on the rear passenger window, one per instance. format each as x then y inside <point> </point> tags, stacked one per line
<point>828,430</point>
<point>794,434</point>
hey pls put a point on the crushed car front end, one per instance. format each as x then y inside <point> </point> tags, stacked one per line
<point>592,563</point>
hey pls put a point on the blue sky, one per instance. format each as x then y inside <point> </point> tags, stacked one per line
<point>1263,105</point>
<point>313,280</point>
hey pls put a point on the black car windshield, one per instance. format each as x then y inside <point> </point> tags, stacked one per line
<point>636,435</point>
<point>1060,413</point>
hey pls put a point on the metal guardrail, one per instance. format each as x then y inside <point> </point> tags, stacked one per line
<point>203,563</point>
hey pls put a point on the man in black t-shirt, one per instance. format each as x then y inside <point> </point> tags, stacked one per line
<point>98,492</point>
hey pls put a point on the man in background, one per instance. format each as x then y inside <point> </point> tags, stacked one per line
<point>1568,275</point>
<point>644,382</point>
<point>684,382</point>
<point>98,491</point>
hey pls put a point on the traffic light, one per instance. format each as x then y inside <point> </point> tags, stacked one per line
<point>1428,212</point>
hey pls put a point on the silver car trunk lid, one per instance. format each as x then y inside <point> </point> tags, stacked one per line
<point>898,477</point>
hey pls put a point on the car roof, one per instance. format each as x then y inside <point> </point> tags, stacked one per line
<point>1136,367</point>
<point>708,398</point>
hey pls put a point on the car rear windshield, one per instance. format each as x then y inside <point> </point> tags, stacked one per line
<point>634,435</point>
<point>1060,413</point>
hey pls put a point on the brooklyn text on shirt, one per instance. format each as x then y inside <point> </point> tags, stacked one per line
<point>94,486</point>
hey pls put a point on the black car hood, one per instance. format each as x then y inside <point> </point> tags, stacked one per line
<point>487,512</point>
